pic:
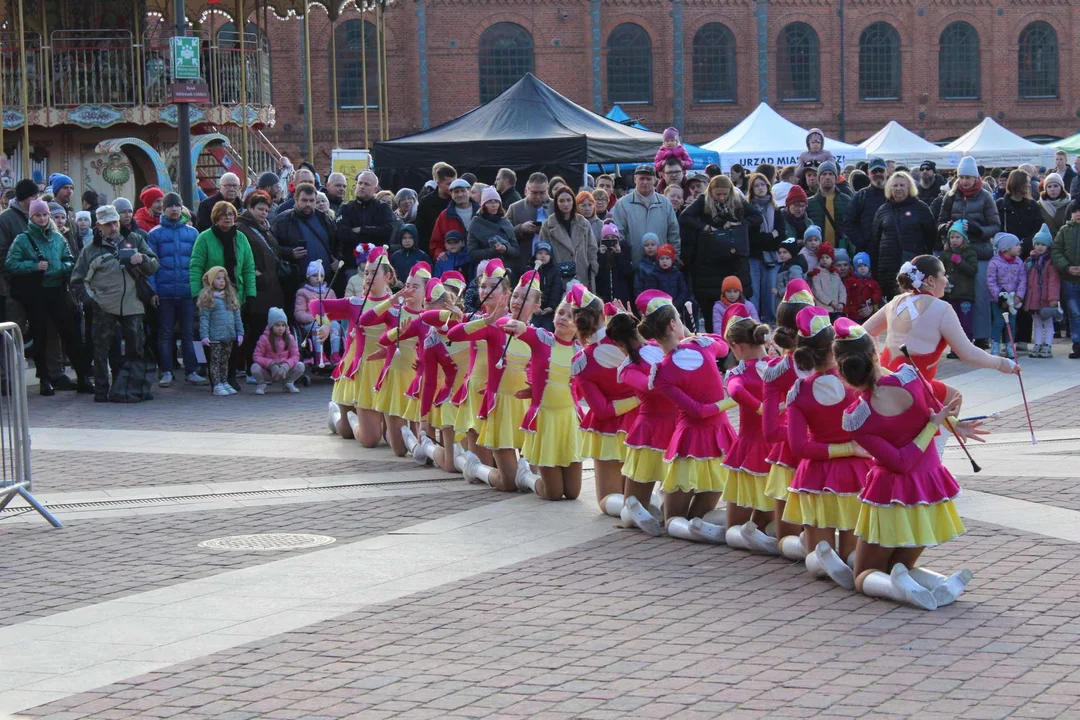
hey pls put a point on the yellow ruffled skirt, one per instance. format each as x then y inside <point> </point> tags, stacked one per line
<point>391,399</point>
<point>823,510</point>
<point>908,526</point>
<point>557,440</point>
<point>350,391</point>
<point>645,465</point>
<point>600,446</point>
<point>747,490</point>
<point>780,477</point>
<point>686,474</point>
<point>465,414</point>
<point>502,428</point>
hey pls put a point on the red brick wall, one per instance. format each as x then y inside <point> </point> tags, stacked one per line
<point>561,33</point>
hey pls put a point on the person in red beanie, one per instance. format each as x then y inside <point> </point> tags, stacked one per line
<point>795,213</point>
<point>149,215</point>
<point>826,283</point>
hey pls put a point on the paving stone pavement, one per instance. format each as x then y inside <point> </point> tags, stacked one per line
<point>91,561</point>
<point>616,627</point>
<point>186,407</point>
<point>1053,491</point>
<point>632,626</point>
<point>67,471</point>
<point>1054,412</point>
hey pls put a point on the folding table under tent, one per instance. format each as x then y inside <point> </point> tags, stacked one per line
<point>766,136</point>
<point>528,127</point>
<point>896,142</point>
<point>992,145</point>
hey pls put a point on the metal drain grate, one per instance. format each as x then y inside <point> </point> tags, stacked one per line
<point>267,542</point>
<point>284,492</point>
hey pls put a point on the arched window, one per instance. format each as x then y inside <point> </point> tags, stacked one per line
<point>798,67</point>
<point>958,62</point>
<point>506,55</point>
<point>879,62</point>
<point>257,52</point>
<point>629,65</point>
<point>1038,76</point>
<point>353,51</point>
<point>714,64</point>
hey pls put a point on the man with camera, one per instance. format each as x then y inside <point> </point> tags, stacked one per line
<point>108,274</point>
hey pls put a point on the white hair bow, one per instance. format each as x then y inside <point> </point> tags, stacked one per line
<point>914,275</point>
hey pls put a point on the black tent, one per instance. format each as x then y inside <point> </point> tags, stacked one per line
<point>529,127</point>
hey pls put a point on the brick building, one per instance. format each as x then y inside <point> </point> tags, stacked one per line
<point>936,66</point>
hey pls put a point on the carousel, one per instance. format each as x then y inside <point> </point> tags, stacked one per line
<point>87,88</point>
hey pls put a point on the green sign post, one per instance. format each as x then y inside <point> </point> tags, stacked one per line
<point>185,58</point>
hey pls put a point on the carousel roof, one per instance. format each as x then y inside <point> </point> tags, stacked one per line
<point>281,8</point>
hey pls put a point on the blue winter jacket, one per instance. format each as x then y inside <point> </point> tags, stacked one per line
<point>172,242</point>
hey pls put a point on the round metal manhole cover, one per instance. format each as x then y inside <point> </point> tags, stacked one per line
<point>268,542</point>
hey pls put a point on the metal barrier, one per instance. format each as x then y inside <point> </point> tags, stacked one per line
<point>15,478</point>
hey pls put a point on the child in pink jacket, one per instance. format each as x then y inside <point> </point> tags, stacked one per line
<point>277,356</point>
<point>672,147</point>
<point>1043,298</point>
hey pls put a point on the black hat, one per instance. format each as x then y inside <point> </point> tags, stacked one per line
<point>645,169</point>
<point>791,245</point>
<point>928,165</point>
<point>25,189</point>
<point>268,179</point>
<point>173,200</point>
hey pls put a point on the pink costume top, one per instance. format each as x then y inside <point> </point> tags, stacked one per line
<point>654,422</point>
<point>691,378</point>
<point>595,378</point>
<point>901,472</point>
<point>550,365</point>
<point>779,377</point>
<point>494,339</point>
<point>344,309</point>
<point>927,326</point>
<point>750,449</point>
<point>393,317</point>
<point>433,355</point>
<point>824,398</point>
<point>440,319</point>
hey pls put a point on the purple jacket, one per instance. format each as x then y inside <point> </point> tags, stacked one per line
<point>1004,276</point>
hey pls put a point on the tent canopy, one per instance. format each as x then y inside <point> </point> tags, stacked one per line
<point>991,144</point>
<point>766,136</point>
<point>527,126</point>
<point>896,142</point>
<point>700,156</point>
<point>1070,144</point>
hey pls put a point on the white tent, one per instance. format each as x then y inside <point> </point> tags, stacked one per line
<point>766,136</point>
<point>896,142</point>
<point>990,144</point>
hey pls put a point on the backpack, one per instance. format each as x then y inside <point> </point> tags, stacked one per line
<point>133,381</point>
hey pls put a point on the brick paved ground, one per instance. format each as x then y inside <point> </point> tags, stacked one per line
<point>90,561</point>
<point>1054,412</point>
<point>621,626</point>
<point>1054,491</point>
<point>194,409</point>
<point>56,471</point>
<point>631,626</point>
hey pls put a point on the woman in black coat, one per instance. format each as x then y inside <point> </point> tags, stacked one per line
<point>903,228</point>
<point>1020,215</point>
<point>719,207</point>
